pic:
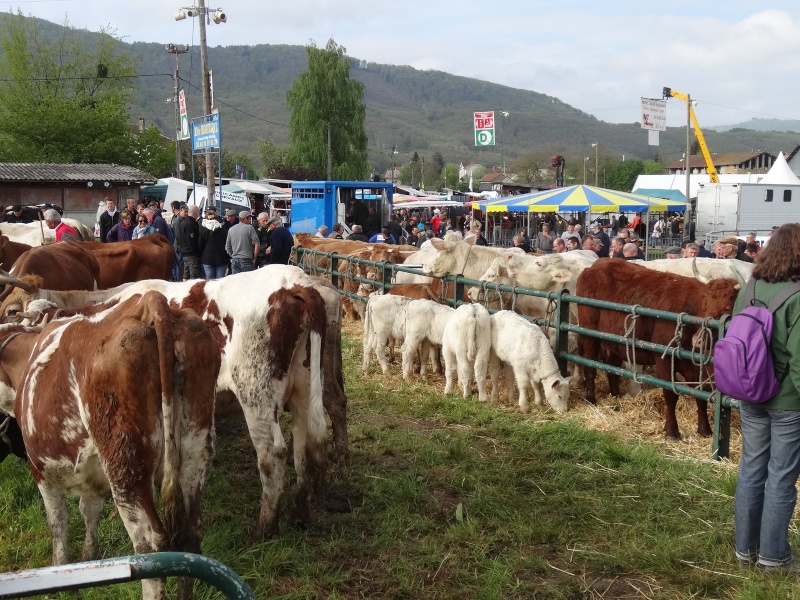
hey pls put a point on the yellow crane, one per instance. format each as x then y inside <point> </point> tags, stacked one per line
<point>712,170</point>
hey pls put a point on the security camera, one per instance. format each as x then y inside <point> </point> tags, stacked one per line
<point>180,15</point>
<point>219,17</point>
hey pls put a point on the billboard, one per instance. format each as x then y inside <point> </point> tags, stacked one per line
<point>654,114</point>
<point>484,128</point>
<point>206,133</point>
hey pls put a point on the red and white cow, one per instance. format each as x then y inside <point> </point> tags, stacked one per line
<point>94,427</point>
<point>269,325</point>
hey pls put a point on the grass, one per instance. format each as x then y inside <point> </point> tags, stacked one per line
<point>453,499</point>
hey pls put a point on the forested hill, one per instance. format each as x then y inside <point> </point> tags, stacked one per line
<point>425,111</point>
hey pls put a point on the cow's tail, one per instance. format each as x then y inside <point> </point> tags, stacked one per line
<point>471,329</point>
<point>172,500</point>
<point>316,322</point>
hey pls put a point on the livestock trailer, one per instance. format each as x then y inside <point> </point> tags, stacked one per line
<point>717,207</point>
<point>316,203</point>
<point>763,205</point>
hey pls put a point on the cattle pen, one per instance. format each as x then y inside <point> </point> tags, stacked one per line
<point>558,320</point>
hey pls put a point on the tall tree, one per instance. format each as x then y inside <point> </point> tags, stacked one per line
<point>328,106</point>
<point>62,102</point>
<point>152,152</point>
<point>271,156</point>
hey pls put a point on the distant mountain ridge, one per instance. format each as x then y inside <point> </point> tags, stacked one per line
<point>409,109</point>
<point>783,125</point>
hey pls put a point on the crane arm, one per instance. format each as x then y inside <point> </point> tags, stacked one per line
<point>712,170</point>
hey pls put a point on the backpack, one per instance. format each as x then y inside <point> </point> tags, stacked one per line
<point>743,366</point>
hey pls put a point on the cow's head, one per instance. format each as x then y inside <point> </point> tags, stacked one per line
<point>19,292</point>
<point>719,298</point>
<point>450,256</point>
<point>11,438</point>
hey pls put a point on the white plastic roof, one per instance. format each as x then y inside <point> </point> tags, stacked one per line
<point>780,173</point>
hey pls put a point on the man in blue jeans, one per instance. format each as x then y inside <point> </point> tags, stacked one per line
<point>242,244</point>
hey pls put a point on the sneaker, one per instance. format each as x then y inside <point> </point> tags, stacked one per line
<point>745,560</point>
<point>791,567</point>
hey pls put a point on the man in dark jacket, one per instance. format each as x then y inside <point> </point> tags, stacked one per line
<point>187,237</point>
<point>108,219</point>
<point>357,213</point>
<point>281,242</point>
<point>357,235</point>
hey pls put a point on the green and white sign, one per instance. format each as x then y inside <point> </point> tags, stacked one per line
<point>184,135</point>
<point>484,128</point>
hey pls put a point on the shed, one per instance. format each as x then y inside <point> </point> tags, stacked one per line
<point>78,188</point>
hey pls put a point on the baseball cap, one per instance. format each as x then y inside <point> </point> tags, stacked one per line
<point>230,213</point>
<point>211,209</point>
<point>673,250</point>
<point>420,226</point>
<point>244,214</point>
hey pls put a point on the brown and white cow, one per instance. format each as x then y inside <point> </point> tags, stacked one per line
<point>270,326</point>
<point>94,427</point>
<point>615,280</point>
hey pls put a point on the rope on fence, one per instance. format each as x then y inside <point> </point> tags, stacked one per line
<point>630,334</point>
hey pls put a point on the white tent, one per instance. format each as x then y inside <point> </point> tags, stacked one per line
<point>780,173</point>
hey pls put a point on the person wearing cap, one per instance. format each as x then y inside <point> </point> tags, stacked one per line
<point>187,238</point>
<point>673,252</point>
<point>600,234</point>
<point>17,215</point>
<point>107,220</point>
<point>357,234</point>
<point>231,219</point>
<point>281,242</point>
<point>436,221</point>
<point>419,235</point>
<point>242,244</point>
<point>211,244</point>
<point>726,247</point>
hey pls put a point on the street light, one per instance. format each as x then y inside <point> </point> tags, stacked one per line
<point>218,16</point>
<point>595,146</point>
<point>502,155</point>
<point>177,50</point>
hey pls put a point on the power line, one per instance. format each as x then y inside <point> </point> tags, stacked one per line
<point>239,110</point>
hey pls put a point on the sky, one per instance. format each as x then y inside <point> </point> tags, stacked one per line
<point>739,60</point>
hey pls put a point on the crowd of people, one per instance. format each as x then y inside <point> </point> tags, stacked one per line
<point>208,246</point>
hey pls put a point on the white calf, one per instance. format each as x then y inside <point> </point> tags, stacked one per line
<point>465,347</point>
<point>425,324</point>
<point>525,351</point>
<point>384,318</point>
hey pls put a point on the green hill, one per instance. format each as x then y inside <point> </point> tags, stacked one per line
<point>424,111</point>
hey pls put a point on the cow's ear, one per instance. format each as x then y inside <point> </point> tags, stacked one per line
<point>562,275</point>
<point>437,243</point>
<point>470,238</point>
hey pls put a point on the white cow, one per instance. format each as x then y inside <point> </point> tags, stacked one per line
<point>462,257</point>
<point>524,352</point>
<point>425,324</point>
<point>38,234</point>
<point>466,346</point>
<point>384,319</point>
<point>703,269</point>
<point>548,272</point>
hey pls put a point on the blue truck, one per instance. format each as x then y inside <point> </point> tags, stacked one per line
<point>316,203</point>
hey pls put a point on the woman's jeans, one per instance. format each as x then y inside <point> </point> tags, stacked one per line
<point>765,492</point>
<point>213,272</point>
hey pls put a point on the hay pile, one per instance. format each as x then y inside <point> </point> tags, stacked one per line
<point>639,417</point>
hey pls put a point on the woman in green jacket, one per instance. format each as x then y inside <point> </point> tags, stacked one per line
<point>765,491</point>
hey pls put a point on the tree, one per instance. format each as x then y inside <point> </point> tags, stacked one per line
<point>153,153</point>
<point>623,176</point>
<point>230,161</point>
<point>271,155</point>
<point>533,167</point>
<point>62,102</point>
<point>328,106</point>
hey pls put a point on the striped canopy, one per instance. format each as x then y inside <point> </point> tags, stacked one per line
<point>577,198</point>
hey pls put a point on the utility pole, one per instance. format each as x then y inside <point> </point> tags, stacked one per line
<point>595,146</point>
<point>422,176</point>
<point>218,16</point>
<point>687,220</point>
<point>177,50</point>
<point>329,156</point>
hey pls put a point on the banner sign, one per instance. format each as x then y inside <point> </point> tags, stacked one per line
<point>230,198</point>
<point>206,133</point>
<point>484,128</point>
<point>654,114</point>
<point>184,135</point>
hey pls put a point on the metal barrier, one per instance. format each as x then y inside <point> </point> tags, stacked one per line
<point>111,571</point>
<point>560,322</point>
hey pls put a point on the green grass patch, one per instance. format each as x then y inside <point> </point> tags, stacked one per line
<point>453,499</point>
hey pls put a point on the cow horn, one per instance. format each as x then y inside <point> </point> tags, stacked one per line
<point>696,272</point>
<point>9,279</point>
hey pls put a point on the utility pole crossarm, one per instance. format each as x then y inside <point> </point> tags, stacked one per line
<point>712,170</point>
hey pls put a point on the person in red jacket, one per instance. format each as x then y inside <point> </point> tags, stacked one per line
<point>63,231</point>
